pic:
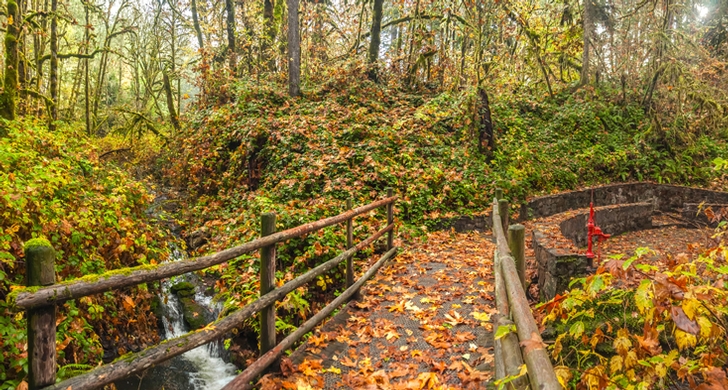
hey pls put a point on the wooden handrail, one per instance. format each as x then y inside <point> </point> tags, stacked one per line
<point>255,369</point>
<point>135,362</point>
<point>540,369</point>
<point>126,277</point>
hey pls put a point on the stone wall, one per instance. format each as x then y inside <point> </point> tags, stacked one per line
<point>664,197</point>
<point>557,266</point>
<point>611,219</point>
<point>465,223</point>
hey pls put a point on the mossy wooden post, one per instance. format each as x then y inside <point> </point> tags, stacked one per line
<point>390,219</point>
<point>267,283</point>
<point>517,245</point>
<point>349,244</point>
<point>499,193</point>
<point>40,269</point>
<point>503,211</point>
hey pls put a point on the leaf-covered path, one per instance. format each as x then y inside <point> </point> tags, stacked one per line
<point>422,322</point>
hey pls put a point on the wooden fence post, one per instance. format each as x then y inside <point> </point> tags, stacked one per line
<point>40,260</point>
<point>390,219</point>
<point>499,193</point>
<point>267,283</point>
<point>517,245</point>
<point>503,210</point>
<point>350,243</point>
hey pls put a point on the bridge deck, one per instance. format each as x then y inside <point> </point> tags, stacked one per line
<point>422,322</point>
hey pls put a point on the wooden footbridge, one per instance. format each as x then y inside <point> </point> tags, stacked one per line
<point>429,334</point>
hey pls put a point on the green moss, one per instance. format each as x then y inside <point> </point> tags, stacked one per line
<point>40,241</point>
<point>181,288</point>
<point>193,313</point>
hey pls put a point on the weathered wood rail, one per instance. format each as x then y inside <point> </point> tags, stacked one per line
<point>525,345</point>
<point>40,302</point>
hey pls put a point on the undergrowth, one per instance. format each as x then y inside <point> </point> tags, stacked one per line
<point>258,150</point>
<point>52,185</point>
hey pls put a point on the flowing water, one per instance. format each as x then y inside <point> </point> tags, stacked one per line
<point>202,368</point>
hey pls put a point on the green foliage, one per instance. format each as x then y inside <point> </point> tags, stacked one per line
<point>54,191</point>
<point>629,329</point>
<point>302,158</point>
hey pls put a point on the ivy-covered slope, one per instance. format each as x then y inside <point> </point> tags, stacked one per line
<point>52,185</point>
<point>254,148</point>
<point>251,149</point>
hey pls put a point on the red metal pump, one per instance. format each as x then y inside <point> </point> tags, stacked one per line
<point>593,231</point>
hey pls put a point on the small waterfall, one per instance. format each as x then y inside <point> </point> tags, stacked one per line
<point>210,372</point>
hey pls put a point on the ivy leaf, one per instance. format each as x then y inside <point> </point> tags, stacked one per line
<point>643,296</point>
<point>577,329</point>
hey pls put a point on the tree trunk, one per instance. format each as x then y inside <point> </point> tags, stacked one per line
<point>584,79</point>
<point>294,50</point>
<point>170,100</point>
<point>54,67</point>
<point>375,39</point>
<point>8,99</point>
<point>86,89</point>
<point>270,32</point>
<point>196,24</point>
<point>485,124</point>
<point>230,26</point>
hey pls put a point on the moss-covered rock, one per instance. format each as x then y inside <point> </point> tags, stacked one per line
<point>194,313</point>
<point>183,289</point>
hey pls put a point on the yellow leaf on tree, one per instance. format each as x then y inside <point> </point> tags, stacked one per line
<point>684,339</point>
<point>690,307</point>
<point>563,374</point>
<point>706,326</point>
<point>622,343</point>
<point>616,364</point>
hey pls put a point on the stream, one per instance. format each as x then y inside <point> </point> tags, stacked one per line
<point>202,368</point>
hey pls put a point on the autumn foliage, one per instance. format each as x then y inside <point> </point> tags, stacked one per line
<point>644,322</point>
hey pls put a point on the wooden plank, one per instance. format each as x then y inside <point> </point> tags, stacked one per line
<point>517,245</point>
<point>267,284</point>
<point>349,243</point>
<point>243,380</point>
<point>503,211</point>
<point>136,362</point>
<point>93,284</point>
<point>40,270</point>
<point>540,370</point>
<point>390,219</point>
<point>508,358</point>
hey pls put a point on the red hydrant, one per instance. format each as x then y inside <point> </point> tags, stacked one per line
<point>593,231</point>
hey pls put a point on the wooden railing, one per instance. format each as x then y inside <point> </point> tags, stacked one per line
<point>525,345</point>
<point>40,302</point>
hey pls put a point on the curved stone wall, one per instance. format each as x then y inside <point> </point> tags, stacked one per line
<point>664,197</point>
<point>556,266</point>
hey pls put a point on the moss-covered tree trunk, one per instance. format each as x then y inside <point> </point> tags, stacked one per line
<point>230,27</point>
<point>375,38</point>
<point>196,24</point>
<point>9,96</point>
<point>170,100</point>
<point>269,29</point>
<point>54,67</point>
